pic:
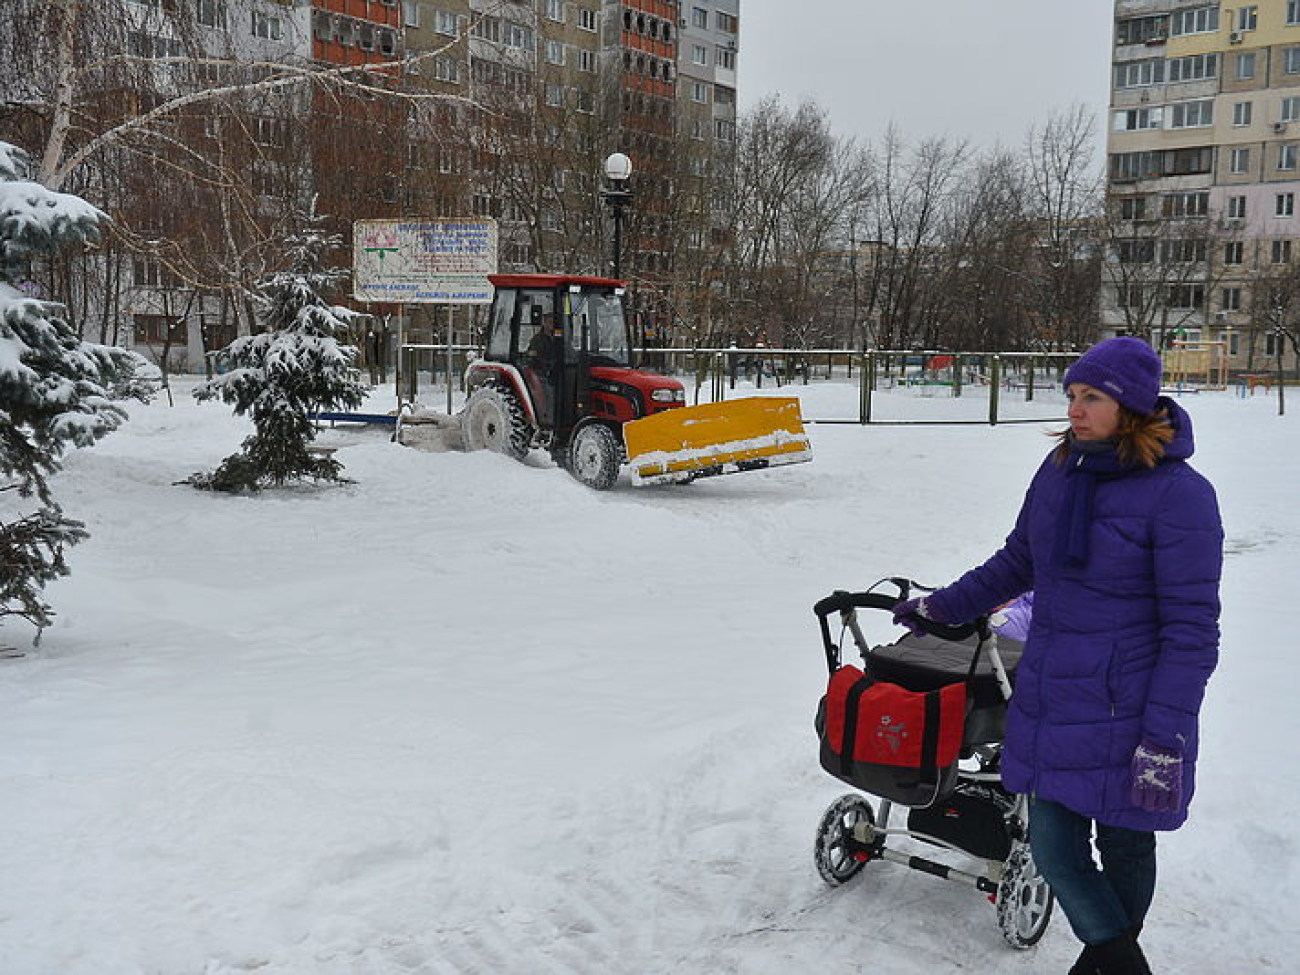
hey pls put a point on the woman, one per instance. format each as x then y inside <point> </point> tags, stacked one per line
<point>1122,544</point>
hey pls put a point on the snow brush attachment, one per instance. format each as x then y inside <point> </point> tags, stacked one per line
<point>716,438</point>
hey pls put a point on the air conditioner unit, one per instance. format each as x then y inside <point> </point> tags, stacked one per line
<point>1279,126</point>
<point>1235,37</point>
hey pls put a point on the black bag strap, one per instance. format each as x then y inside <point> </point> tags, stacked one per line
<point>930,738</point>
<point>852,705</point>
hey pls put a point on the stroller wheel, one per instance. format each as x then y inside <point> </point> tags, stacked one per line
<point>839,857</point>
<point>1024,900</point>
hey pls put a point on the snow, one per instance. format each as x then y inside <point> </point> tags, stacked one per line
<point>467,716</point>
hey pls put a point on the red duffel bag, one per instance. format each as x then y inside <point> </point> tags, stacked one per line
<point>898,744</point>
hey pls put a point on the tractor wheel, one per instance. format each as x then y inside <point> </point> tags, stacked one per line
<point>595,456</point>
<point>494,420</point>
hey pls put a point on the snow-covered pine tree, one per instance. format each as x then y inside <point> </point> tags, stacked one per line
<point>54,388</point>
<point>282,375</point>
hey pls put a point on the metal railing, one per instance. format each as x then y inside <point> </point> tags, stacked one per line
<point>719,370</point>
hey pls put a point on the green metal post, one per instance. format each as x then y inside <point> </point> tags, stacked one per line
<point>1029,382</point>
<point>956,376</point>
<point>995,385</point>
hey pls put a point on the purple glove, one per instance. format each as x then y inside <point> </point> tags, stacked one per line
<point>1157,777</point>
<point>910,612</point>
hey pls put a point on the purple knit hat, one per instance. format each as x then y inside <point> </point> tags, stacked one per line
<point>1124,368</point>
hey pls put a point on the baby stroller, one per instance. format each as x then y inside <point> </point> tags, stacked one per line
<point>956,676</point>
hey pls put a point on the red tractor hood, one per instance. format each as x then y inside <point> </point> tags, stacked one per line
<point>646,382</point>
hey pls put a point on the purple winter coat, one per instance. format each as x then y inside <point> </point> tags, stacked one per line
<point>1121,646</point>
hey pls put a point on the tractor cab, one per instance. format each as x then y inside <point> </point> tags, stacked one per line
<point>559,349</point>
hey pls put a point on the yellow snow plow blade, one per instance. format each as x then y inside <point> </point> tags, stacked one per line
<point>716,438</point>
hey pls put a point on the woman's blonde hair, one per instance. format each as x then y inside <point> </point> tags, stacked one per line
<point>1140,438</point>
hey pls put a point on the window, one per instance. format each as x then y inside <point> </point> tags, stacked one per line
<point>487,29</point>
<point>1247,17</point>
<point>699,54</point>
<point>1133,208</point>
<point>447,69</point>
<point>1284,205</point>
<point>266,26</point>
<point>1183,251</point>
<point>1185,296</point>
<point>1239,160</point>
<point>1139,74</point>
<point>269,131</point>
<point>1138,119</point>
<point>555,10</point>
<point>1292,12</point>
<point>518,36</point>
<point>1199,20</point>
<point>1139,30</point>
<point>1245,65</point>
<point>585,102</point>
<point>1241,112</point>
<point>1290,109</point>
<point>1286,156</point>
<point>1270,343</point>
<point>1234,252</point>
<point>587,19</point>
<point>143,45</point>
<point>1236,208</point>
<point>724,130</point>
<point>555,95</point>
<point>1128,296</point>
<point>1194,67</point>
<point>726,58</point>
<point>700,18</point>
<point>555,52</point>
<point>1281,252</point>
<point>446,23</point>
<point>157,329</point>
<point>1231,299</point>
<point>148,272</point>
<point>587,61</point>
<point>212,13</point>
<point>411,13</point>
<point>1291,60</point>
<point>699,91</point>
<point>1136,251</point>
<point>1196,204</point>
<point>1192,115</point>
<point>728,23</point>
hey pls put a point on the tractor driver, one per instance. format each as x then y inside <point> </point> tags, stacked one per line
<point>537,359</point>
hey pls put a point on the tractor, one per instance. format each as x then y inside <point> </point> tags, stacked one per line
<point>557,374</point>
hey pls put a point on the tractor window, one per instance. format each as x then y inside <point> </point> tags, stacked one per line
<point>600,318</point>
<point>498,343</point>
<point>536,311</point>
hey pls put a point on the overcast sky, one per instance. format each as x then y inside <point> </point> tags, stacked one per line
<point>1001,65</point>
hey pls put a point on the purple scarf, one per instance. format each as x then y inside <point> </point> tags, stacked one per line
<point>1088,461</point>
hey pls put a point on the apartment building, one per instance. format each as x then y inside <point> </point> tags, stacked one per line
<point>396,108</point>
<point>1204,172</point>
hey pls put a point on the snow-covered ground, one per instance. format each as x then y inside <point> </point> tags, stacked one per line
<point>467,716</point>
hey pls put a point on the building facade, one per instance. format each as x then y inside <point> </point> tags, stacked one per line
<point>1204,172</point>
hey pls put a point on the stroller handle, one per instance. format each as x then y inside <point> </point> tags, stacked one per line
<point>840,601</point>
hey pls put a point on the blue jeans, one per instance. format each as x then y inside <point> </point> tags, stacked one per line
<point>1100,904</point>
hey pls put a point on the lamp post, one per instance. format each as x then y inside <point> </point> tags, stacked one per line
<point>617,169</point>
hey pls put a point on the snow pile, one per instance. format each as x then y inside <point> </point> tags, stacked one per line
<point>467,716</point>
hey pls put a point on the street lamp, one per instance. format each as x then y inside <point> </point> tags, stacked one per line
<point>617,169</point>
